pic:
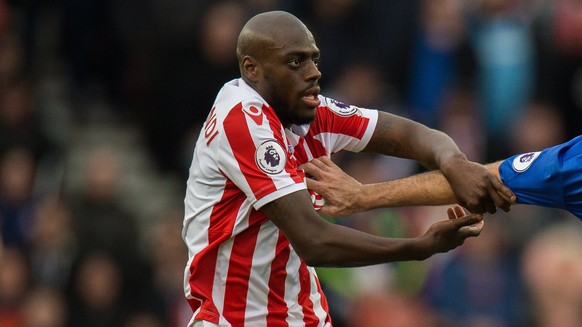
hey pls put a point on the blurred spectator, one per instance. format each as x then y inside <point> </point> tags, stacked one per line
<point>99,221</point>
<point>385,38</point>
<point>167,256</point>
<point>503,43</point>
<point>14,283</point>
<point>52,243</point>
<point>17,173</point>
<point>560,60</point>
<point>11,58</point>
<point>4,14</point>
<point>567,26</point>
<point>96,298</point>
<point>102,225</point>
<point>390,310</point>
<point>19,125</point>
<point>480,284</point>
<point>361,84</point>
<point>460,119</point>
<point>526,132</point>
<point>92,50</point>
<point>186,77</point>
<point>552,272</point>
<point>434,65</point>
<point>44,306</point>
<point>337,26</point>
<point>143,319</point>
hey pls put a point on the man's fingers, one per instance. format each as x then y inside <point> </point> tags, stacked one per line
<point>468,220</point>
<point>317,166</point>
<point>472,230</point>
<point>455,212</point>
<point>459,211</point>
<point>490,206</point>
<point>499,200</point>
<point>506,193</point>
<point>322,163</point>
<point>478,208</point>
<point>313,185</point>
<point>502,195</point>
<point>327,161</point>
<point>451,213</point>
<point>311,169</point>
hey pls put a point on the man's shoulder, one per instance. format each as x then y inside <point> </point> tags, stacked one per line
<point>237,94</point>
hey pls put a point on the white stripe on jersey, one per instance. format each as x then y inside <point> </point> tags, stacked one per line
<point>342,142</point>
<point>316,297</point>
<point>257,298</point>
<point>292,289</point>
<point>220,275</point>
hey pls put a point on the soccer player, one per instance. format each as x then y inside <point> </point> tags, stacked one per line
<point>250,226</point>
<point>548,178</point>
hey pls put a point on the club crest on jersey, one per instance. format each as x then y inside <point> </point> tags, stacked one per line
<point>522,162</point>
<point>341,108</point>
<point>270,157</point>
<point>255,113</point>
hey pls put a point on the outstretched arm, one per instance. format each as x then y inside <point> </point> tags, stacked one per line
<point>321,243</point>
<point>473,185</point>
<point>344,195</point>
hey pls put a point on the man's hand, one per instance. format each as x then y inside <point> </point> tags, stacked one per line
<point>339,189</point>
<point>449,234</point>
<point>476,188</point>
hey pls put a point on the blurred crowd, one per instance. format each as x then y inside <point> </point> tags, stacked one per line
<point>101,102</point>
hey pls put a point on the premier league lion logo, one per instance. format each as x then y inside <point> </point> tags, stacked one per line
<point>526,157</point>
<point>340,108</point>
<point>339,104</point>
<point>522,162</point>
<point>271,156</point>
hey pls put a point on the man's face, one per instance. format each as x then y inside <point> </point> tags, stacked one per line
<point>290,77</point>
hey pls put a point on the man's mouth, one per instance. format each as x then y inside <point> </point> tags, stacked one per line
<point>311,99</point>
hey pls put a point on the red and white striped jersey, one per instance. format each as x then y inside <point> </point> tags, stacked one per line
<point>242,271</point>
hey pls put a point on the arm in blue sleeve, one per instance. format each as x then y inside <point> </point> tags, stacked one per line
<point>548,178</point>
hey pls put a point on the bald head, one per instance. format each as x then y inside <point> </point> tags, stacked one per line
<point>268,31</point>
<point>278,58</point>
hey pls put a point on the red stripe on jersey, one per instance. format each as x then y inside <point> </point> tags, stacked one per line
<point>327,121</point>
<point>324,304</point>
<point>203,265</point>
<point>239,271</point>
<point>276,306</point>
<point>317,149</point>
<point>300,153</point>
<point>201,287</point>
<point>276,127</point>
<point>309,316</point>
<point>243,148</point>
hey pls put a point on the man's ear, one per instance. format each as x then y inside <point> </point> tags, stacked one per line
<point>250,68</point>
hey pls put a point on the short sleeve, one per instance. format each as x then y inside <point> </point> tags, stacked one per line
<point>341,126</point>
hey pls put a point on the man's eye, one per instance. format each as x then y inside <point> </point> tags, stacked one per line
<point>295,62</point>
<point>316,61</point>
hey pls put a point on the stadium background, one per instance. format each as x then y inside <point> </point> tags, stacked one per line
<point>101,100</point>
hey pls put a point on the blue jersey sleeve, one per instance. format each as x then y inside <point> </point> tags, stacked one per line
<point>548,178</point>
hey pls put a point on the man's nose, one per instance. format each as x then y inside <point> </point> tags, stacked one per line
<point>312,72</point>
